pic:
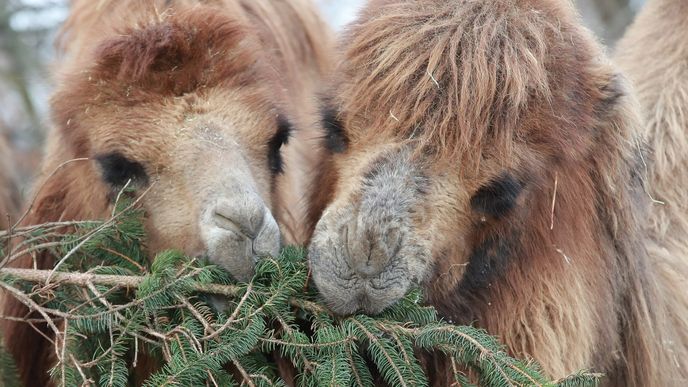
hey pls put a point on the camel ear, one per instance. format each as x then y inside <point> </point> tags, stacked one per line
<point>612,89</point>
<point>178,54</point>
<point>619,120</point>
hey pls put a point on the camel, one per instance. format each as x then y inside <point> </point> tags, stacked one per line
<point>489,152</point>
<point>203,108</point>
<point>654,55</point>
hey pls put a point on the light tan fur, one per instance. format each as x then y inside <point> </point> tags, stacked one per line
<point>494,157</point>
<point>196,92</point>
<point>654,55</point>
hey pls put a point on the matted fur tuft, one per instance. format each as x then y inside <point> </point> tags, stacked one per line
<point>492,44</point>
<point>166,56</point>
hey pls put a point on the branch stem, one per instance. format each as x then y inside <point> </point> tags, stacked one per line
<point>123,281</point>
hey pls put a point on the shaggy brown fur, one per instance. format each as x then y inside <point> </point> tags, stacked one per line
<point>192,101</point>
<point>654,55</point>
<point>489,151</point>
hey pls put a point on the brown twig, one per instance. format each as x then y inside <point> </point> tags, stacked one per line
<point>19,231</point>
<point>232,319</point>
<point>208,329</point>
<point>554,200</point>
<point>247,379</point>
<point>123,281</point>
<point>32,305</point>
<point>124,257</point>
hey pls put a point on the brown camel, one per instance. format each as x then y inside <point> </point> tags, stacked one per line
<point>489,152</point>
<point>190,104</point>
<point>654,55</point>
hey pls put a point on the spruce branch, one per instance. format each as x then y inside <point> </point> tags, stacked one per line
<point>106,304</point>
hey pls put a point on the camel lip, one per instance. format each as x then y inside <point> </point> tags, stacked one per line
<point>242,272</point>
<point>347,291</point>
<point>347,295</point>
<point>361,301</point>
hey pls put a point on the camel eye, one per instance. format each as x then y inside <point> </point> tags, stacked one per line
<point>335,138</point>
<point>498,197</point>
<point>117,170</point>
<point>281,137</point>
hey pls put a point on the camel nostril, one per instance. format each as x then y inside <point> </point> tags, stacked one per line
<point>268,241</point>
<point>393,241</point>
<point>236,238</point>
<point>372,254</point>
<point>226,223</point>
<point>241,217</point>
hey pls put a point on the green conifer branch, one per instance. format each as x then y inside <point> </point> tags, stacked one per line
<point>112,306</point>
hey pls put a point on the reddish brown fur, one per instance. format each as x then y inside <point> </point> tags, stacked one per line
<point>132,67</point>
<point>479,87</point>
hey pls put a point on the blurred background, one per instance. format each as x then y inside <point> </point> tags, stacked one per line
<point>27,29</point>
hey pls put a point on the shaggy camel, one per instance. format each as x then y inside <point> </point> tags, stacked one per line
<point>189,103</point>
<point>654,55</point>
<point>488,151</point>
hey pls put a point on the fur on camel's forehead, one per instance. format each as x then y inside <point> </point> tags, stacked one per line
<point>177,56</point>
<point>474,89</point>
<point>188,63</point>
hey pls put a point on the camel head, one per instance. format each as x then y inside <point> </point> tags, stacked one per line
<point>446,143</point>
<point>186,110</point>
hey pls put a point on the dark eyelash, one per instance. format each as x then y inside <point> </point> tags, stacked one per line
<point>498,197</point>
<point>281,137</point>
<point>336,140</point>
<point>117,170</point>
